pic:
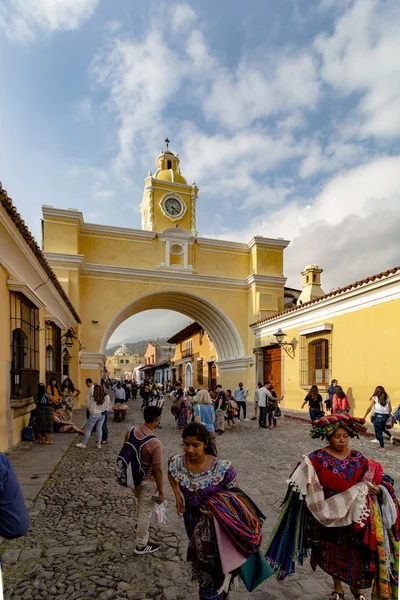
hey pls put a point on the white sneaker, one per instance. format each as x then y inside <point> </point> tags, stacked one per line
<point>374,441</point>
<point>98,446</point>
<point>246,419</point>
<point>391,440</point>
<point>80,445</point>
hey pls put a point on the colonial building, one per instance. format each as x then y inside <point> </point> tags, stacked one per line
<point>195,360</point>
<point>157,358</point>
<point>351,334</point>
<point>35,314</point>
<point>224,286</point>
<point>123,364</point>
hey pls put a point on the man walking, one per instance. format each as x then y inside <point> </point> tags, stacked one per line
<point>264,395</point>
<point>151,460</point>
<point>240,396</point>
<point>259,385</point>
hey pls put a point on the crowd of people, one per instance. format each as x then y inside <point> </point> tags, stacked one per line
<point>340,508</point>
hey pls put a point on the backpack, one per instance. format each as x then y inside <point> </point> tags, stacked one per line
<point>176,407</point>
<point>129,471</point>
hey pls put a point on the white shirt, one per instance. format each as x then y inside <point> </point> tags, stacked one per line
<point>263,395</point>
<point>120,393</point>
<point>107,400</point>
<point>89,395</point>
<point>379,409</point>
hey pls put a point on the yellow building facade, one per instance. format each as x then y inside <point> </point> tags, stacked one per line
<point>111,273</point>
<point>195,360</point>
<point>123,364</point>
<point>35,312</point>
<point>350,335</point>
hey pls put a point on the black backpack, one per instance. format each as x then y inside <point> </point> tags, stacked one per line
<point>129,471</point>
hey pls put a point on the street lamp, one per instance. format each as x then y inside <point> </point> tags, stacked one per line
<point>69,337</point>
<point>287,346</point>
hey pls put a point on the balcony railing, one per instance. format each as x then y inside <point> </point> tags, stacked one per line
<point>187,352</point>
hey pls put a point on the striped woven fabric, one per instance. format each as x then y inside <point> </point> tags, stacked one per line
<point>239,517</point>
<point>326,426</point>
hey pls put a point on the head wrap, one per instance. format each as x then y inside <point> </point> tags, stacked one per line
<point>326,426</point>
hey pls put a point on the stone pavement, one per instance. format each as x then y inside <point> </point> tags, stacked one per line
<point>81,541</point>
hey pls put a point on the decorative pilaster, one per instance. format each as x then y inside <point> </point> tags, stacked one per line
<point>259,364</point>
<point>193,197</point>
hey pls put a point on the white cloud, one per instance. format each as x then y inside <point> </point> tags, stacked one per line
<point>140,76</point>
<point>182,16</point>
<point>83,108</point>
<point>361,57</point>
<point>350,229</point>
<point>279,84</point>
<point>24,19</point>
<point>149,325</point>
<point>333,157</point>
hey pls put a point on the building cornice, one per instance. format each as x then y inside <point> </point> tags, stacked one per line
<point>22,288</point>
<point>263,242</point>
<point>222,244</point>
<point>257,279</point>
<point>56,321</point>
<point>107,230</point>
<point>370,294</point>
<point>172,274</point>
<point>69,215</point>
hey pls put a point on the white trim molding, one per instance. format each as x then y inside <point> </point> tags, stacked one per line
<point>236,364</point>
<point>22,288</point>
<point>316,329</point>
<point>92,360</point>
<point>56,321</point>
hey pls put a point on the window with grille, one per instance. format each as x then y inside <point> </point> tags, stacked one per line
<point>53,352</point>
<point>25,347</point>
<point>200,372</point>
<point>316,359</point>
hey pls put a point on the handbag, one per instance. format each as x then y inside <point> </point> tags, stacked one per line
<point>278,412</point>
<point>390,422</point>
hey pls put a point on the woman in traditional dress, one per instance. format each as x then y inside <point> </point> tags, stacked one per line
<point>194,476</point>
<point>44,414</point>
<point>343,508</point>
<point>69,393</point>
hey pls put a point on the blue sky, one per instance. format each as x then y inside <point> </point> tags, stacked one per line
<point>287,115</point>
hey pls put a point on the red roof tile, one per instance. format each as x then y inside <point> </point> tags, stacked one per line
<point>16,218</point>
<point>337,292</point>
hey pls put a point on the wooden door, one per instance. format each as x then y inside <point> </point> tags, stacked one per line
<point>212,376</point>
<point>272,367</point>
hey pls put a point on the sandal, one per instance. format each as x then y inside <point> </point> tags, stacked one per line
<point>48,443</point>
<point>357,596</point>
<point>336,595</point>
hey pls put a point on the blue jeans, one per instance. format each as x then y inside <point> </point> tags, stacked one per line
<point>105,427</point>
<point>241,406</point>
<point>380,428</point>
<point>314,413</point>
<point>97,421</point>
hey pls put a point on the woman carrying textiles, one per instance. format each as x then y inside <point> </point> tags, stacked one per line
<point>342,508</point>
<point>224,527</point>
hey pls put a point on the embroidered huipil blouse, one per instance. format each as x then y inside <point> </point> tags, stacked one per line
<point>335,474</point>
<point>220,476</point>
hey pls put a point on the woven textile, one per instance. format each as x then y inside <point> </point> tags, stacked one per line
<point>326,426</point>
<point>337,511</point>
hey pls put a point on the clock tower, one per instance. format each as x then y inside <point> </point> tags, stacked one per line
<point>168,200</point>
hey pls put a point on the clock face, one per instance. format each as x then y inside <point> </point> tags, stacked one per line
<point>173,207</point>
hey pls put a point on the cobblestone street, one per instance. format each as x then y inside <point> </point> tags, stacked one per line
<point>81,541</point>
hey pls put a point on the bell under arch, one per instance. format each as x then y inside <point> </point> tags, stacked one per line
<point>223,332</point>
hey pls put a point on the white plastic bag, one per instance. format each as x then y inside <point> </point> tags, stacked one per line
<point>160,513</point>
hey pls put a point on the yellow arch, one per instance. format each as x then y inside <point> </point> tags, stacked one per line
<point>223,333</point>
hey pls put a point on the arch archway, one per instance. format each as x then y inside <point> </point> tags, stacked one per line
<point>188,376</point>
<point>220,328</point>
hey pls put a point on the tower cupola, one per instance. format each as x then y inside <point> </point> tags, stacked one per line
<point>311,284</point>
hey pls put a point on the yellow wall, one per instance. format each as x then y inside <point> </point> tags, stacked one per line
<point>5,360</point>
<point>365,349</point>
<point>203,348</point>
